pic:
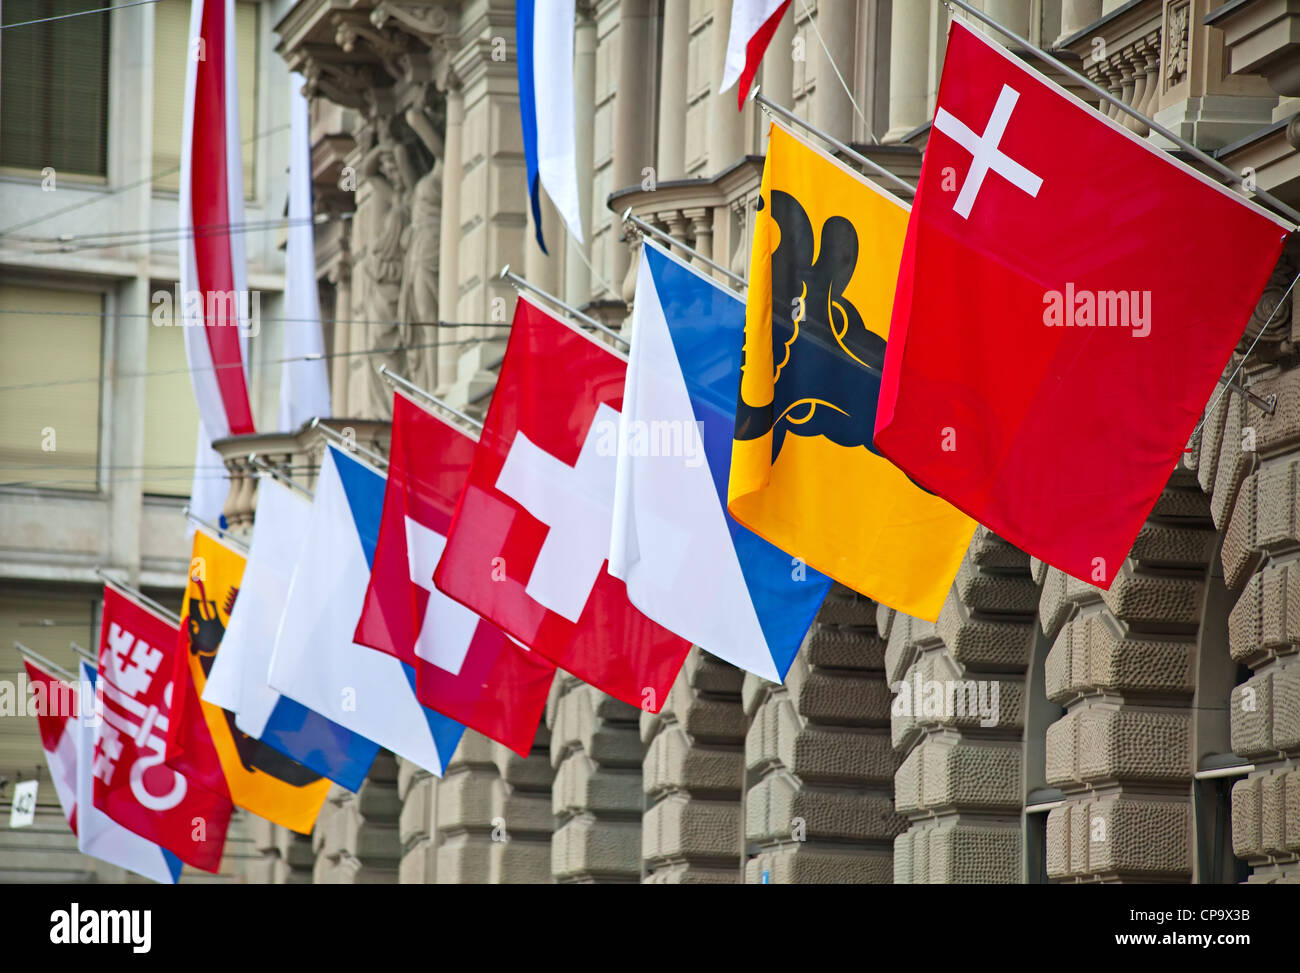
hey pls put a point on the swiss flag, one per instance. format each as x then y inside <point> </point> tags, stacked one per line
<point>530,538</point>
<point>1067,299</point>
<point>133,785</point>
<point>465,668</point>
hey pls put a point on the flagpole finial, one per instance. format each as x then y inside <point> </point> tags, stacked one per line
<point>505,272</point>
<point>754,94</point>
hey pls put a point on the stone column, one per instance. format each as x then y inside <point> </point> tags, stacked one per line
<point>832,109</point>
<point>342,329</point>
<point>356,838</point>
<point>577,278</point>
<point>777,69</point>
<point>597,755</point>
<point>693,776</point>
<point>726,125</point>
<point>1078,14</point>
<point>633,127</point>
<point>453,174</point>
<point>959,780</point>
<point>819,805</point>
<point>909,67</point>
<point>544,270</point>
<point>672,91</point>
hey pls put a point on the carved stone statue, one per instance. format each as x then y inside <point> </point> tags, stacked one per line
<point>419,295</point>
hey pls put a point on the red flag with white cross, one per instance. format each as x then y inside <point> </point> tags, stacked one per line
<point>1068,297</point>
<point>133,784</point>
<point>527,547</point>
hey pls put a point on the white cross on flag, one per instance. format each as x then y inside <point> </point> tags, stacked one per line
<point>527,547</point>
<point>1067,298</point>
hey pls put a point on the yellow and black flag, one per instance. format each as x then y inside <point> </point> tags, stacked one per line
<point>257,777</point>
<point>804,472</point>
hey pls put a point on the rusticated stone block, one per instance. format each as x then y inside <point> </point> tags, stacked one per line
<point>1179,547</point>
<point>1280,431</point>
<point>1107,744</point>
<point>582,785</point>
<point>1272,825</point>
<point>1057,851</point>
<point>1091,654</point>
<point>988,550</point>
<point>673,763</point>
<point>1267,615</point>
<point>1140,838</point>
<point>708,674</point>
<point>419,863</point>
<point>687,873</point>
<point>1240,554</point>
<point>681,827</point>
<point>474,750</point>
<point>803,865</point>
<point>517,862</point>
<point>1156,601</point>
<point>965,776</point>
<point>586,849</point>
<point>1264,712</point>
<point>833,756</point>
<point>778,809</point>
<point>1233,464</point>
<point>377,800</point>
<point>952,853</point>
<point>844,606</point>
<point>844,648</point>
<point>1247,818</point>
<point>1061,593</point>
<point>983,643</point>
<point>580,721</point>
<point>416,819</point>
<point>904,867</point>
<point>775,721</point>
<point>906,636</point>
<point>834,696</point>
<point>1211,441</point>
<point>995,593</point>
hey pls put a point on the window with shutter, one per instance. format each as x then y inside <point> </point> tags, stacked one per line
<point>171,418</point>
<point>54,88</point>
<point>50,377</point>
<point>171,34</point>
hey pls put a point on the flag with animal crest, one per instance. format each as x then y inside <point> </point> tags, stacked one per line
<point>257,777</point>
<point>804,472</point>
<point>1062,314</point>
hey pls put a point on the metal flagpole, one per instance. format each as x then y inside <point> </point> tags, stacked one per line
<point>85,654</point>
<point>853,154</point>
<point>1107,97</point>
<point>37,657</point>
<point>406,385</point>
<point>654,231</point>
<point>138,595</point>
<point>275,474</point>
<point>222,534</point>
<point>343,442</point>
<point>519,282</point>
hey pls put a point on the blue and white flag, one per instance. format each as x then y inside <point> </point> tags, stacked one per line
<point>315,660</point>
<point>544,40</point>
<point>238,679</point>
<point>98,835</point>
<point>687,563</point>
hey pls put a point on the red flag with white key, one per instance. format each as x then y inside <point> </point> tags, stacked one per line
<point>465,667</point>
<point>133,785</point>
<point>1068,297</point>
<point>528,545</point>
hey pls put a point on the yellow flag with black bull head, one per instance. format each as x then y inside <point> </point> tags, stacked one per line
<point>258,778</point>
<point>804,472</point>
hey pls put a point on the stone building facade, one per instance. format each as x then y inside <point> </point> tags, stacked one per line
<point>1147,733</point>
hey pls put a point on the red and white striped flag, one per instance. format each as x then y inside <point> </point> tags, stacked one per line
<point>215,301</point>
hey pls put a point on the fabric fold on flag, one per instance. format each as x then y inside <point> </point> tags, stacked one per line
<point>215,301</point>
<point>97,834</point>
<point>238,678</point>
<point>687,563</point>
<point>753,22</point>
<point>315,661</point>
<point>304,376</point>
<point>544,48</point>
<point>257,777</point>
<point>528,545</point>
<point>466,668</point>
<point>805,474</point>
<point>133,784</point>
<point>1057,332</point>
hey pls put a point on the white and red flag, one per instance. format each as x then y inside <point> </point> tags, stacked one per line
<point>1068,296</point>
<point>215,300</point>
<point>465,668</point>
<point>753,22</point>
<point>132,783</point>
<point>527,547</point>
